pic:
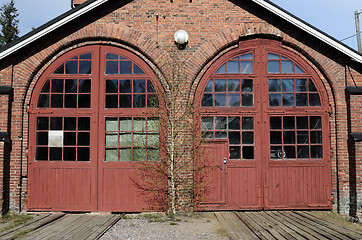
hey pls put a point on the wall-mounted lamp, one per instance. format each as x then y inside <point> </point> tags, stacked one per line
<point>181,39</point>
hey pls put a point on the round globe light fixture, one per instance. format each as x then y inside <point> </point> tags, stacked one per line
<point>181,38</point>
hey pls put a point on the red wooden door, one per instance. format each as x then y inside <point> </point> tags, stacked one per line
<point>271,109</point>
<point>89,121</point>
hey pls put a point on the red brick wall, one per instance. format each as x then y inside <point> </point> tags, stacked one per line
<point>147,28</point>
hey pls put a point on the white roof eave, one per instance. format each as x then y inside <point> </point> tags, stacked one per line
<point>323,37</point>
<point>51,28</point>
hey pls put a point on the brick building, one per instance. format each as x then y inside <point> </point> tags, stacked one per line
<point>277,102</point>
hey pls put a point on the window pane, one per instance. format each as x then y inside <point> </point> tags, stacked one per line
<point>314,99</point>
<point>273,56</point>
<point>43,100</point>
<point>70,138</point>
<point>150,88</point>
<point>222,69</point>
<point>125,101</point>
<point>247,123</point>
<point>125,124</point>
<point>289,151</point>
<point>233,85</point>
<point>234,123</point>
<point>111,101</point>
<point>220,123</point>
<point>153,154</point>
<point>42,123</point>
<point>111,139</point>
<point>234,100</point>
<point>85,56</point>
<point>220,100</point>
<point>137,69</point>
<point>71,85</point>
<point>246,67</point>
<point>70,154</point>
<point>274,85</point>
<point>84,123</point>
<point>298,69</point>
<point>274,100</point>
<point>289,137</point>
<point>57,100</point>
<point>247,100</point>
<point>153,124</point>
<point>234,137</point>
<point>300,85</point>
<point>111,155</point>
<point>83,138</point>
<point>59,70</point>
<point>287,66</point>
<point>273,66</point>
<point>112,67</point>
<point>46,87</point>
<point>276,152</point>
<point>288,100</point>
<point>111,56</point>
<point>56,123</point>
<point>55,154</point>
<point>275,123</point>
<point>85,67</point>
<point>210,86</point>
<point>302,122</point>
<point>42,138</point>
<point>302,137</point>
<point>84,101</point>
<point>275,137</point>
<point>83,154</point>
<point>288,85</point>
<point>71,67</point>
<point>302,152</point>
<point>315,123</point>
<point>125,154</point>
<point>139,101</point>
<point>247,137</point>
<point>70,101</point>
<point>111,124</point>
<point>207,100</point>
<point>153,139</point>
<point>233,67</point>
<point>316,152</point>
<point>57,85</point>
<point>84,85</point>
<point>125,139</point>
<point>312,88</point>
<point>248,152</point>
<point>316,137</point>
<point>221,135</point>
<point>139,86</point>
<point>288,122</point>
<point>112,86</point>
<point>139,124</point>
<point>139,154</point>
<point>125,67</point>
<point>220,85</point>
<point>234,152</point>
<point>247,56</point>
<point>247,85</point>
<point>301,99</point>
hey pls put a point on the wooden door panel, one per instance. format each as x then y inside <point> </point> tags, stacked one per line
<point>118,192</point>
<point>297,187</point>
<point>242,188</point>
<point>62,189</point>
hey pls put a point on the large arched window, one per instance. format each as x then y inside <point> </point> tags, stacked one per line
<point>270,108</point>
<point>93,112</point>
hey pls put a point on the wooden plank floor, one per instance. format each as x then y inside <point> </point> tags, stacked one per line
<point>75,226</point>
<point>283,225</point>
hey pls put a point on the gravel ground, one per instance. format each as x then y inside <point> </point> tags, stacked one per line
<point>158,226</point>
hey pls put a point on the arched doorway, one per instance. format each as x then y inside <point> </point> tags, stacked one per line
<point>263,113</point>
<point>93,112</point>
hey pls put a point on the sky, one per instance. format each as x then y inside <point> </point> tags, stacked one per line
<point>334,17</point>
